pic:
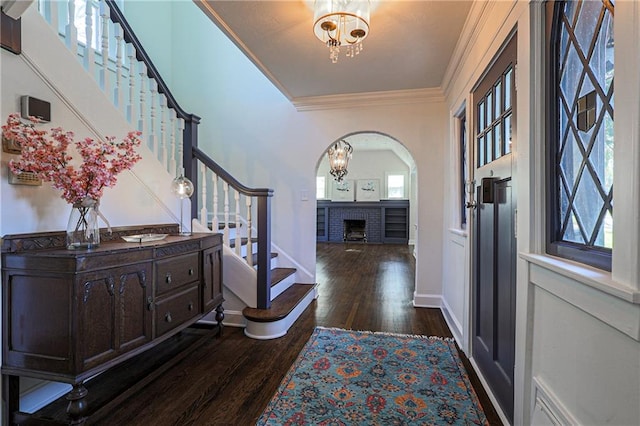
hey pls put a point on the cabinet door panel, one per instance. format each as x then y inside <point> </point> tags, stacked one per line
<point>112,316</point>
<point>135,328</point>
<point>37,324</point>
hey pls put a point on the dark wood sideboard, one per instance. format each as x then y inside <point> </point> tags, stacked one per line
<point>68,315</point>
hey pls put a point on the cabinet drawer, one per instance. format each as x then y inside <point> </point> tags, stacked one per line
<point>175,310</point>
<point>177,271</point>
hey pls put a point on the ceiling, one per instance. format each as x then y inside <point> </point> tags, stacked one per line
<point>408,48</point>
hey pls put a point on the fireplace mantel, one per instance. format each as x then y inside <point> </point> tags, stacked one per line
<point>387,221</point>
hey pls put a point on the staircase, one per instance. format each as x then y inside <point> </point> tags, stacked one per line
<point>260,282</point>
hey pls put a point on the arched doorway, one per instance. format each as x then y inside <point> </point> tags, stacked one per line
<point>381,178</point>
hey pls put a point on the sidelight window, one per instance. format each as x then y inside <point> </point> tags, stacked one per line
<point>462,184</point>
<point>581,132</point>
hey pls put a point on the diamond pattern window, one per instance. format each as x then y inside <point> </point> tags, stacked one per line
<point>581,201</point>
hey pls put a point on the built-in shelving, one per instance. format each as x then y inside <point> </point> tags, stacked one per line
<point>387,220</point>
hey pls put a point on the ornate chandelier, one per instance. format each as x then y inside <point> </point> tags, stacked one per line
<point>341,23</point>
<point>339,155</point>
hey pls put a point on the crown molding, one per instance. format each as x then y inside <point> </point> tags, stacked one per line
<point>369,99</point>
<point>472,27</point>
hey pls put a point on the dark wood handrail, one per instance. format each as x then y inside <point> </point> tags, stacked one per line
<point>141,55</point>
<point>225,176</point>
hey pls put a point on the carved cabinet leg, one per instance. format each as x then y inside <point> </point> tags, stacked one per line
<point>77,408</point>
<point>10,398</point>
<point>220,317</point>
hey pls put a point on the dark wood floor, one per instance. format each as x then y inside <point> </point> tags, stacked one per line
<point>229,380</point>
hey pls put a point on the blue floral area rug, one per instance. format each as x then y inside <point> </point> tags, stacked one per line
<point>344,377</point>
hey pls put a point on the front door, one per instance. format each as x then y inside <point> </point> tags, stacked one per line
<point>494,244</point>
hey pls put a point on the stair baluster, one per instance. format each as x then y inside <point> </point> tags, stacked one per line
<point>71,33</point>
<point>131,107</point>
<point>225,191</point>
<point>173,165</point>
<point>203,196</point>
<point>163,132</point>
<point>238,240</point>
<point>180,168</point>
<point>153,138</point>
<point>214,221</point>
<point>118,91</point>
<point>249,231</point>
<point>89,52</point>
<point>142,71</point>
<point>104,73</point>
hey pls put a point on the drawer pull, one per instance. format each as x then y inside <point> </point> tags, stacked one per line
<point>190,307</point>
<point>150,303</point>
<point>167,317</point>
<point>190,271</point>
<point>168,278</point>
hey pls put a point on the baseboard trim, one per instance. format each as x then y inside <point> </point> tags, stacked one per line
<point>427,300</point>
<point>452,322</point>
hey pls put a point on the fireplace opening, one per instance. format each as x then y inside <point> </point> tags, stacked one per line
<point>355,230</point>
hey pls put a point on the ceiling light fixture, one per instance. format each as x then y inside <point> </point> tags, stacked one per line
<point>341,23</point>
<point>339,155</point>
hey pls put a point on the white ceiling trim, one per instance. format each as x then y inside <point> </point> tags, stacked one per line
<point>362,100</point>
<point>469,33</point>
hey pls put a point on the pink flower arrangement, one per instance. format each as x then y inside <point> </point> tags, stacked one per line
<point>46,153</point>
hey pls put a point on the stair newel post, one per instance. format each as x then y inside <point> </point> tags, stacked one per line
<point>264,251</point>
<point>104,73</point>
<point>70,31</point>
<point>248,201</point>
<point>238,241</point>
<point>118,91</point>
<point>203,197</point>
<point>189,162</point>
<point>89,54</point>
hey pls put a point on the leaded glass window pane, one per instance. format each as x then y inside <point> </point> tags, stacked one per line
<point>584,65</point>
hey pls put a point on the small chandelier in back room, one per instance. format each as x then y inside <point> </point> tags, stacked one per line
<point>341,23</point>
<point>339,155</point>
